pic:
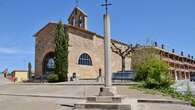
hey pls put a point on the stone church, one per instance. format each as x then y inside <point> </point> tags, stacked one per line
<point>86,50</point>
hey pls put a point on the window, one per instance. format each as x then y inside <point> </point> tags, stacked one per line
<point>51,64</point>
<point>81,21</point>
<point>48,63</point>
<point>85,59</point>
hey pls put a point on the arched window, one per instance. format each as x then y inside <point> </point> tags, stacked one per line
<point>48,63</point>
<point>51,63</point>
<point>85,59</point>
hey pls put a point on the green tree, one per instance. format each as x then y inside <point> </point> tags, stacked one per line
<point>29,70</point>
<point>61,52</point>
<point>141,53</point>
<point>153,72</point>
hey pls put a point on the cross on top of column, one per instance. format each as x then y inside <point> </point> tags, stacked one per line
<point>106,4</point>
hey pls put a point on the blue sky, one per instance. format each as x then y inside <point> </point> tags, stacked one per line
<point>171,22</point>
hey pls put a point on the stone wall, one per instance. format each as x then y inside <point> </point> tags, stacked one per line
<point>80,42</point>
<point>44,44</point>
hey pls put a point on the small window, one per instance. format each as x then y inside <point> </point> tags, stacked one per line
<point>81,21</point>
<point>85,59</point>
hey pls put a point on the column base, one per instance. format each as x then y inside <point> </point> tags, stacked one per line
<point>106,103</point>
<point>108,99</point>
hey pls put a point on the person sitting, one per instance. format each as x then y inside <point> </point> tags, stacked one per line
<point>74,77</point>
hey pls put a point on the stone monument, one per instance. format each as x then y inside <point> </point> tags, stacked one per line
<point>108,98</point>
<point>108,90</point>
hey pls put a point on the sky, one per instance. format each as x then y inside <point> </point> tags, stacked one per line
<point>169,22</point>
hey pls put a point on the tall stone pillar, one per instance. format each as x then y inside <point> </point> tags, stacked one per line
<point>108,90</point>
<point>108,97</point>
<point>107,52</point>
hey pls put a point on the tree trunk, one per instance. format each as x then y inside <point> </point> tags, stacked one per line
<point>123,64</point>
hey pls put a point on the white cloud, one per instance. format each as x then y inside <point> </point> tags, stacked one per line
<point>4,50</point>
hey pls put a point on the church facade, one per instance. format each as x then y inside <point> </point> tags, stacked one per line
<point>86,50</point>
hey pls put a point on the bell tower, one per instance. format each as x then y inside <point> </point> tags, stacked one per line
<point>78,18</point>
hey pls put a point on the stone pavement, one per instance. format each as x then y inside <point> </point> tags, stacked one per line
<point>155,106</point>
<point>71,91</point>
<point>37,103</point>
<point>67,96</point>
<point>83,82</point>
<point>32,103</point>
<point>4,81</point>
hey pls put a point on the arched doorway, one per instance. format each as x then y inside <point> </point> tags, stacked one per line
<point>48,63</point>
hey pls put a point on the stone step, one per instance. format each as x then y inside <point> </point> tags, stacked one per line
<point>126,104</point>
<point>106,99</point>
<point>103,106</point>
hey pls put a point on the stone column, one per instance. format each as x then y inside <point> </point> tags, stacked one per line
<point>108,90</point>
<point>107,52</point>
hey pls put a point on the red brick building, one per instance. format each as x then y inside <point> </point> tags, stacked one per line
<point>181,67</point>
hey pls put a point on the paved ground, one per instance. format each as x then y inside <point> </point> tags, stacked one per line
<point>3,80</point>
<point>70,91</point>
<point>32,103</point>
<point>152,106</point>
<point>10,102</point>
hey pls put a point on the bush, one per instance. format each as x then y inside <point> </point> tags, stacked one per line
<point>154,72</point>
<point>52,78</point>
<point>193,101</point>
